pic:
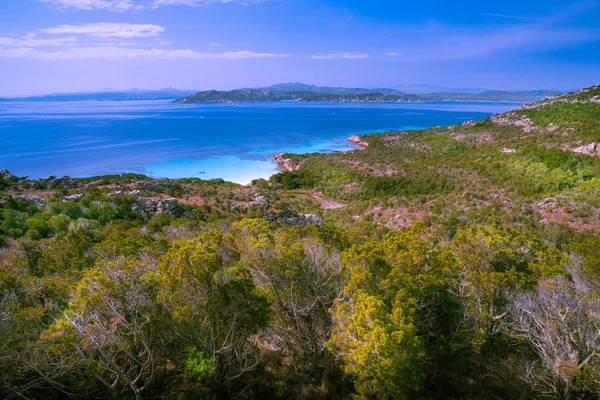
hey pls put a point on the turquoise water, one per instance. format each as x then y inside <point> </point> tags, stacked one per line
<point>162,139</point>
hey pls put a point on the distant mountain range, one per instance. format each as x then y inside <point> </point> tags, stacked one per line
<point>302,87</point>
<point>401,89</point>
<point>110,95</point>
<point>302,92</point>
<point>311,93</point>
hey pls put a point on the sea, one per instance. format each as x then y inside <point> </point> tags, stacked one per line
<point>162,139</point>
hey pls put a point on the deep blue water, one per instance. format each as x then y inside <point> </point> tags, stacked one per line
<point>162,139</point>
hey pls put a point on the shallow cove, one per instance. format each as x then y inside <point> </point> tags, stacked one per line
<point>230,141</point>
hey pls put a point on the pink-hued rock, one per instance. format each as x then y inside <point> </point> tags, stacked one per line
<point>358,141</point>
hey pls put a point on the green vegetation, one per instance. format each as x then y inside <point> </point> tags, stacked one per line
<point>456,262</point>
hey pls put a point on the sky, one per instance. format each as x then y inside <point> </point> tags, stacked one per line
<point>52,46</point>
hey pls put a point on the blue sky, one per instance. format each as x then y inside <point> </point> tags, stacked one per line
<point>72,45</point>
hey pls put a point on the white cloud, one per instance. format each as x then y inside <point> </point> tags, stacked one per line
<point>31,41</point>
<point>127,53</point>
<point>216,44</point>
<point>108,30</point>
<point>134,5</point>
<point>107,5</point>
<point>346,56</point>
<point>393,54</point>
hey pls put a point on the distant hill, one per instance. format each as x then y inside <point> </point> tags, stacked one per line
<point>253,95</point>
<point>493,95</point>
<point>302,87</point>
<point>110,95</point>
<point>311,93</point>
<point>428,89</point>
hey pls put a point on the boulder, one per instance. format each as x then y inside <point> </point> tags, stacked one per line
<point>73,197</point>
<point>154,187</point>
<point>293,218</point>
<point>29,199</point>
<point>149,206</point>
<point>261,201</point>
<point>7,176</point>
<point>95,183</point>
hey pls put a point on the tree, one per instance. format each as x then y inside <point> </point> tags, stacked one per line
<point>300,271</point>
<point>490,263</point>
<point>13,223</point>
<point>111,331</point>
<point>215,305</point>
<point>561,322</point>
<point>377,316</point>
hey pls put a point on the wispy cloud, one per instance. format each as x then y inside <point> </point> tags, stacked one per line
<point>512,17</point>
<point>334,56</point>
<point>107,5</point>
<point>107,52</point>
<point>32,41</point>
<point>215,44</point>
<point>108,30</point>
<point>451,43</point>
<point>134,5</point>
<point>439,42</point>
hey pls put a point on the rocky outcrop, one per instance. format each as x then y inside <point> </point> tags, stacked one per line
<point>285,164</point>
<point>154,187</point>
<point>592,149</point>
<point>358,141</point>
<point>293,218</point>
<point>63,182</point>
<point>36,201</point>
<point>7,177</point>
<point>73,197</point>
<point>261,201</point>
<point>149,206</point>
<point>514,119</point>
<point>95,183</point>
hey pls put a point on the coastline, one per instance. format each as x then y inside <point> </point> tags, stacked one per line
<point>287,165</point>
<point>219,140</point>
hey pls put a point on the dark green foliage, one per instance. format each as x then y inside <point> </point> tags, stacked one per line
<point>291,180</point>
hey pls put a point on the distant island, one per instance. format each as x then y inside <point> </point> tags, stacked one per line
<point>310,93</point>
<point>109,95</point>
<point>301,92</point>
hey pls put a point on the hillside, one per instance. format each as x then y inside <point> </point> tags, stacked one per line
<point>457,262</point>
<point>302,87</point>
<point>251,95</point>
<point>311,93</point>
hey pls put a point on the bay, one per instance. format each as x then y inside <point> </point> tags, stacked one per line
<point>230,141</point>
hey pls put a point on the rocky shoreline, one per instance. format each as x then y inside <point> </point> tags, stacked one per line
<point>356,139</point>
<point>287,165</point>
